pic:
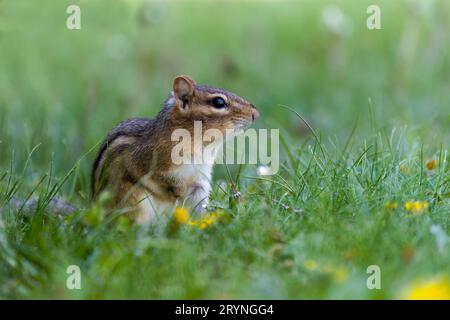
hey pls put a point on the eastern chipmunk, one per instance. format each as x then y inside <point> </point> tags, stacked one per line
<point>134,162</point>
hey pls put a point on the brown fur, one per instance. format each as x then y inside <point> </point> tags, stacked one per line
<point>135,158</point>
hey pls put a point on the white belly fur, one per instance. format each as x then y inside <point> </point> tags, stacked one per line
<point>152,210</point>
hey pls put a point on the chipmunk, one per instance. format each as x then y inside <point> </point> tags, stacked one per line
<point>134,162</point>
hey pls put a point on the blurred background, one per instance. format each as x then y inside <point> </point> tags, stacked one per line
<point>63,90</point>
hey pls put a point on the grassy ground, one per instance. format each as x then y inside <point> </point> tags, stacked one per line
<point>378,100</point>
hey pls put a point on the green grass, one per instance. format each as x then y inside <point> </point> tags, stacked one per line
<point>378,101</point>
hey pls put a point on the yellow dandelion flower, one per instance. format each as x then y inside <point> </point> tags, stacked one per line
<point>391,205</point>
<point>206,220</point>
<point>311,264</point>
<point>340,274</point>
<point>423,206</point>
<point>409,205</point>
<point>431,164</point>
<point>434,289</point>
<point>181,216</point>
<point>416,207</point>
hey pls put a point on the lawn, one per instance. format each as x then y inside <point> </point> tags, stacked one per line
<point>370,185</point>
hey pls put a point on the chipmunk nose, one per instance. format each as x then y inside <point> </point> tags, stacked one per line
<point>255,112</point>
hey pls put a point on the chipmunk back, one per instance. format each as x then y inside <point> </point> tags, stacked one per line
<point>134,163</point>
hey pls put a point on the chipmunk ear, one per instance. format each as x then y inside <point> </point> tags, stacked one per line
<point>183,87</point>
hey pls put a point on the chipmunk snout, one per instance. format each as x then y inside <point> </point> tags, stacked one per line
<point>255,112</point>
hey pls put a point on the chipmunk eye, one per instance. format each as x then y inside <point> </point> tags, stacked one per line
<point>218,102</point>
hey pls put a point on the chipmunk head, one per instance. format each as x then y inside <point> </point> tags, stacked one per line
<point>216,108</point>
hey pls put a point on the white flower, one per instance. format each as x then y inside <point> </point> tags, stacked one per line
<point>263,171</point>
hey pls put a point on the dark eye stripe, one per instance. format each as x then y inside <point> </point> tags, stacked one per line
<point>218,103</point>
